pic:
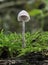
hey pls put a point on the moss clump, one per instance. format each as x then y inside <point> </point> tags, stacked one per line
<point>35,42</point>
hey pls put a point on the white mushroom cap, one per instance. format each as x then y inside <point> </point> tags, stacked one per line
<point>23,16</point>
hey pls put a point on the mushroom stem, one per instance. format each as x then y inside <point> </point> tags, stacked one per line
<point>23,34</point>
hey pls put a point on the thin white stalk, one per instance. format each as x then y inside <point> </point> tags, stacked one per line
<point>23,35</point>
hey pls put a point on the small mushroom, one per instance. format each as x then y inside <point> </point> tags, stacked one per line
<point>24,17</point>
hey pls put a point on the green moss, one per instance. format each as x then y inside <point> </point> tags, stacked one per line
<point>34,42</point>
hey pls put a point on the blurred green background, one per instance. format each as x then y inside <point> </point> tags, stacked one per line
<point>37,9</point>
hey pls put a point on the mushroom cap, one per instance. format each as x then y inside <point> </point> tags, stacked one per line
<point>24,14</point>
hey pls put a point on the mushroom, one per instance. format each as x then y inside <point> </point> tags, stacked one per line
<point>23,16</point>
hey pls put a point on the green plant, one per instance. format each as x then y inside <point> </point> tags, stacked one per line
<point>34,42</point>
